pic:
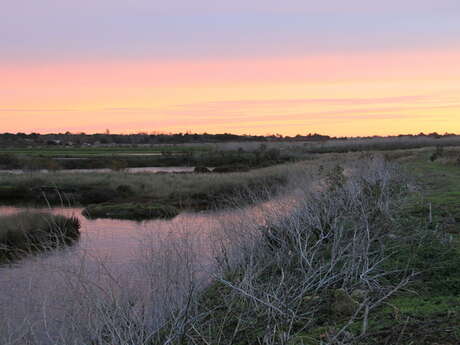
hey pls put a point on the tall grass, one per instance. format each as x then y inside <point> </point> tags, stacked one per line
<point>160,184</point>
<point>26,232</point>
<point>295,148</point>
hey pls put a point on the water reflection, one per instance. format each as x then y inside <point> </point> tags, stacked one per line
<point>147,261</point>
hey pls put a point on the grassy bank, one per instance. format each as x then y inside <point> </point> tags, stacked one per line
<point>181,191</point>
<point>429,313</point>
<point>24,233</point>
<point>120,158</point>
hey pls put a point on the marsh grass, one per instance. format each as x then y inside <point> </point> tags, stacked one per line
<point>26,232</point>
<point>299,150</point>
<point>134,211</point>
<point>183,191</point>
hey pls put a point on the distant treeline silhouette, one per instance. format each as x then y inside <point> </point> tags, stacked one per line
<point>78,139</point>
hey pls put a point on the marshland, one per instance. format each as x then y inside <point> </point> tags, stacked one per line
<point>355,245</point>
<point>230,172</point>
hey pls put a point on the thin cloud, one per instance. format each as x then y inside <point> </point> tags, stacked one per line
<point>326,101</point>
<point>33,110</point>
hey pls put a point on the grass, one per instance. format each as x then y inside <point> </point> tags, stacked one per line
<point>182,191</point>
<point>99,151</point>
<point>247,154</point>
<point>246,160</point>
<point>130,211</point>
<point>429,311</point>
<point>440,188</point>
<point>25,233</point>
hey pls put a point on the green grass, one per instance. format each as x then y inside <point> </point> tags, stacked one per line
<point>429,312</point>
<point>440,187</point>
<point>121,157</point>
<point>100,151</point>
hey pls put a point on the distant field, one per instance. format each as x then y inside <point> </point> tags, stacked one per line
<point>292,148</point>
<point>100,151</point>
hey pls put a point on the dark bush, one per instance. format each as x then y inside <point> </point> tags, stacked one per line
<point>201,170</point>
<point>437,154</point>
<point>9,161</point>
<point>14,193</point>
<point>133,211</point>
<point>231,168</point>
<point>97,195</point>
<point>125,190</point>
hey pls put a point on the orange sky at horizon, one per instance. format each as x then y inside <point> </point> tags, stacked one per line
<point>380,93</point>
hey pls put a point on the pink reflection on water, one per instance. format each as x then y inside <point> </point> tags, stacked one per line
<point>122,258</point>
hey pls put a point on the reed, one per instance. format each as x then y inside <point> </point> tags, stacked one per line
<point>28,232</point>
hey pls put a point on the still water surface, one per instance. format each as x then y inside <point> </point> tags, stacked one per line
<point>139,259</point>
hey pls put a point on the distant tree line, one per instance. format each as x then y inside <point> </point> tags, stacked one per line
<point>81,139</point>
<point>107,139</point>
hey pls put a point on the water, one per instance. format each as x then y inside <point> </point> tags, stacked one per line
<point>113,259</point>
<point>149,262</point>
<point>129,170</point>
<point>116,242</point>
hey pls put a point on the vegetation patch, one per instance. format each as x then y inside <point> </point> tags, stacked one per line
<point>195,191</point>
<point>136,211</point>
<point>230,168</point>
<point>25,233</point>
<point>305,277</point>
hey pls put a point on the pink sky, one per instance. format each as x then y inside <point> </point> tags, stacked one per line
<point>231,67</point>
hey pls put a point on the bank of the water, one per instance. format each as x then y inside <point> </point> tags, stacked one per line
<point>188,191</point>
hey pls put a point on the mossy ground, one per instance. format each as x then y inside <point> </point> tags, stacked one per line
<point>429,311</point>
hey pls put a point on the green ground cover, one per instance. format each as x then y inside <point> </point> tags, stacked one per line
<point>428,312</point>
<point>100,151</point>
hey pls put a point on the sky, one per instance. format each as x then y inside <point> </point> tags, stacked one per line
<point>344,68</point>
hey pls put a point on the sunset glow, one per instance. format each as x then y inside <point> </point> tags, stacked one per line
<point>289,84</point>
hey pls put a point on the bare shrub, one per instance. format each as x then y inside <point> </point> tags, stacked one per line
<point>290,272</point>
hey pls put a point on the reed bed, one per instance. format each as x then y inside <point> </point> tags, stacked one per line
<point>28,232</point>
